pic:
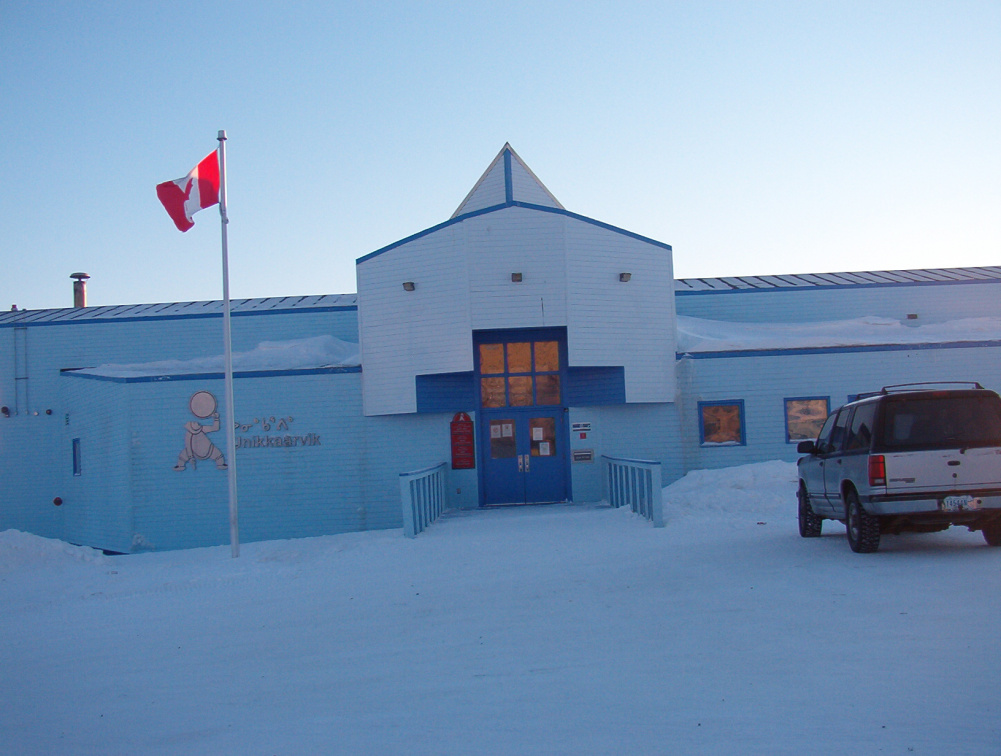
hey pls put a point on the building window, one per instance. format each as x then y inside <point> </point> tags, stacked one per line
<point>77,463</point>
<point>722,423</point>
<point>805,417</point>
<point>519,374</point>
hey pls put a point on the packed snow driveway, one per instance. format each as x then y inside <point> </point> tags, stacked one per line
<point>564,629</point>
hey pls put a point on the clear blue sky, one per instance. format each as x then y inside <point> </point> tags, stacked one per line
<point>754,137</point>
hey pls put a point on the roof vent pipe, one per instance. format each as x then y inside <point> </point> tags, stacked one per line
<point>79,289</point>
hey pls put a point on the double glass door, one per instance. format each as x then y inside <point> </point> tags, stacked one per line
<point>525,458</point>
<point>523,435</point>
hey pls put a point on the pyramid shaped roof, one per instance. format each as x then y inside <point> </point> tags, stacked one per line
<point>507,179</point>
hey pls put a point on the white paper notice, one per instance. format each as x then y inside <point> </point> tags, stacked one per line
<point>508,430</point>
<point>536,434</point>
<point>495,431</point>
<point>544,449</point>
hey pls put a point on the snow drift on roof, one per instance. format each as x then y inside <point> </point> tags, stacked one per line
<point>701,335</point>
<point>295,354</point>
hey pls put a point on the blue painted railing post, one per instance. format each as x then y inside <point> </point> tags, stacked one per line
<point>423,497</point>
<point>636,482</point>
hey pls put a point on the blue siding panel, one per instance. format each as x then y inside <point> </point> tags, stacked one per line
<point>446,392</point>
<point>591,386</point>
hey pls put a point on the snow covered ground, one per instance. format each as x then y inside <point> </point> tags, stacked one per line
<point>540,630</point>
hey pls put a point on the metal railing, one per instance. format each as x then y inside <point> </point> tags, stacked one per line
<point>423,497</point>
<point>634,482</point>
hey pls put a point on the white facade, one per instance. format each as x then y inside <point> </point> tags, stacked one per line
<point>462,273</point>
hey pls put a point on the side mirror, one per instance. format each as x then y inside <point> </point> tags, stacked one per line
<point>806,447</point>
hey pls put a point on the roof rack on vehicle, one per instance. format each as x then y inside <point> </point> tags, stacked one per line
<point>864,395</point>
<point>926,385</point>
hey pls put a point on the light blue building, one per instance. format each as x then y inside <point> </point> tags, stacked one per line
<point>562,338</point>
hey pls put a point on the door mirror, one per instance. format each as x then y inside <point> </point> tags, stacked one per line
<point>806,447</point>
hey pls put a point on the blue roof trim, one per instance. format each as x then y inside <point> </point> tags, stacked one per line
<point>839,287</point>
<point>792,352</point>
<point>431,230</point>
<point>146,318</point>
<point>508,179</point>
<point>525,205</point>
<point>74,373</point>
<point>593,222</point>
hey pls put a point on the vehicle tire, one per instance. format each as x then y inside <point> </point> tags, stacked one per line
<point>862,527</point>
<point>992,534</point>
<point>810,524</point>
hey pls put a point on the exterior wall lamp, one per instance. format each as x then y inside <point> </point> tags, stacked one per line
<point>516,277</point>
<point>409,286</point>
<point>624,277</point>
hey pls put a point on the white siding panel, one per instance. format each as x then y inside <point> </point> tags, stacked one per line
<point>405,334</point>
<point>526,188</point>
<point>489,191</point>
<point>516,240</point>
<point>613,323</point>
<point>570,277</point>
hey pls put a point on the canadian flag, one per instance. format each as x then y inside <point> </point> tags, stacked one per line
<point>184,197</point>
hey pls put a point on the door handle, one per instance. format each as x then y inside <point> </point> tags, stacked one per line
<point>521,463</point>
<point>527,461</point>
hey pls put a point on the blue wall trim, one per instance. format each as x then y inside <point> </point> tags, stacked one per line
<point>594,386</point>
<point>834,350</point>
<point>446,392</point>
<point>74,373</point>
<point>508,180</point>
<point>193,316</point>
<point>585,387</point>
<point>527,206</point>
<point>838,287</point>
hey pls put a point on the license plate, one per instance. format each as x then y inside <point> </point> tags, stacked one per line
<point>959,503</point>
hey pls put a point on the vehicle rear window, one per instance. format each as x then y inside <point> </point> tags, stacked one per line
<point>941,422</point>
<point>860,431</point>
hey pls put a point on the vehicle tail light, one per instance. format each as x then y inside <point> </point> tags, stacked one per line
<point>877,470</point>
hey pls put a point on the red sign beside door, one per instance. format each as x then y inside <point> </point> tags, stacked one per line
<point>463,442</point>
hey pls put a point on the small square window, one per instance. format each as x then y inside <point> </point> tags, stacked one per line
<point>519,357</point>
<point>520,388</point>
<point>492,392</point>
<point>722,423</point>
<point>547,356</point>
<point>805,417</point>
<point>547,389</point>
<point>491,359</point>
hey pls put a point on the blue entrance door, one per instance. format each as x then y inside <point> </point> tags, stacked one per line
<point>524,457</point>
<point>523,436</point>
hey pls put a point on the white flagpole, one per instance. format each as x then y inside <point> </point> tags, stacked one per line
<point>234,527</point>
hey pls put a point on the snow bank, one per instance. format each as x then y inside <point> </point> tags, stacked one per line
<point>19,550</point>
<point>760,489</point>
<point>295,354</point>
<point>702,335</point>
<point>523,630</point>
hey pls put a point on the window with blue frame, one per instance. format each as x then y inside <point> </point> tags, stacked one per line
<point>77,460</point>
<point>722,423</point>
<point>522,373</point>
<point>805,416</point>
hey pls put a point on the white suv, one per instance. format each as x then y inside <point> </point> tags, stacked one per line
<point>910,458</point>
